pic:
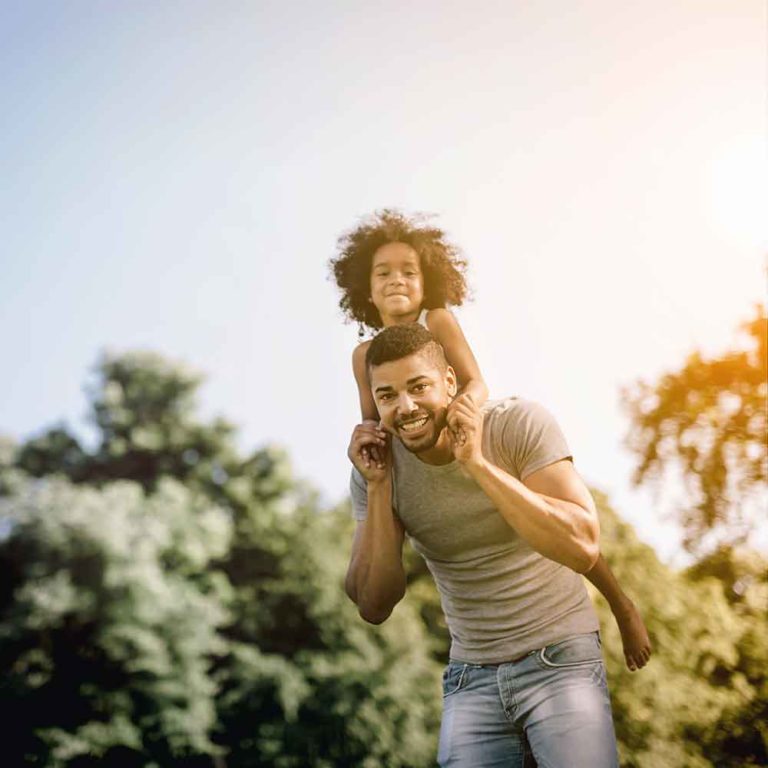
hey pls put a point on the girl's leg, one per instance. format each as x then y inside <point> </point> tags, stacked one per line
<point>634,635</point>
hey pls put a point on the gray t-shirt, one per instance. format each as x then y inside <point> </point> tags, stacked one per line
<point>500,597</point>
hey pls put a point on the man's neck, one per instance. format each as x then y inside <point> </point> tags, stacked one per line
<point>440,453</point>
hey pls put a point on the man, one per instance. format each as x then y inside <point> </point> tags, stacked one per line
<point>491,500</point>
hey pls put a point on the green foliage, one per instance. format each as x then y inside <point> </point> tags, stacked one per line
<point>308,683</point>
<point>708,420</point>
<point>708,667</point>
<point>144,410</point>
<point>108,622</point>
<point>285,673</point>
<point>167,601</point>
<point>740,735</point>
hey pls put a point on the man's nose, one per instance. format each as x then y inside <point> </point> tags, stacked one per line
<point>405,404</point>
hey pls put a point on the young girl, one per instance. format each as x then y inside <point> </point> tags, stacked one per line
<point>392,270</point>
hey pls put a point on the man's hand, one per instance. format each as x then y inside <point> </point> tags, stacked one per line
<point>369,451</point>
<point>465,426</point>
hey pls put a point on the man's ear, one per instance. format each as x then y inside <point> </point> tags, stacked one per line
<point>451,382</point>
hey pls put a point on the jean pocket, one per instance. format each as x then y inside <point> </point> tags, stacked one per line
<point>576,651</point>
<point>454,677</point>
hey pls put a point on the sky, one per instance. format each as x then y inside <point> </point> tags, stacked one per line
<point>174,177</point>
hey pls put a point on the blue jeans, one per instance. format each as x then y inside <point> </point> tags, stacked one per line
<point>551,706</point>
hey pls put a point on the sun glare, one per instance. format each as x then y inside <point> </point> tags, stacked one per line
<point>738,192</point>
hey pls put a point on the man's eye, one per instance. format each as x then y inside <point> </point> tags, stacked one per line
<point>419,387</point>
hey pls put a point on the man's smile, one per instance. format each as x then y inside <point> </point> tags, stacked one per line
<point>412,425</point>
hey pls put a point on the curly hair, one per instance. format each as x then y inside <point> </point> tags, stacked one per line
<point>442,266</point>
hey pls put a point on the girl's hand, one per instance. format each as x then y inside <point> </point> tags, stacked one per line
<point>369,450</point>
<point>465,426</point>
<point>458,433</point>
<point>375,453</point>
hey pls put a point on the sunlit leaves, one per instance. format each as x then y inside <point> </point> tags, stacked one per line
<point>707,421</point>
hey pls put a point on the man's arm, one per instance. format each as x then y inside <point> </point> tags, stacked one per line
<point>375,579</point>
<point>552,509</point>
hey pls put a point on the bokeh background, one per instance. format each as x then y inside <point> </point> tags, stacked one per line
<point>174,177</point>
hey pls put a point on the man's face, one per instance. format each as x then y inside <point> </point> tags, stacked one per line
<point>412,395</point>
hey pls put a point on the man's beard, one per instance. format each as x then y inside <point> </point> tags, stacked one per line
<point>437,423</point>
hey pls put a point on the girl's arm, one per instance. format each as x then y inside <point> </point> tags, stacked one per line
<point>368,408</point>
<point>634,635</point>
<point>445,328</point>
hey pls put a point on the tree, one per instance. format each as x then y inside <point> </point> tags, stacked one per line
<point>294,677</point>
<point>699,701</point>
<point>143,408</point>
<point>109,623</point>
<point>708,421</point>
<point>739,738</point>
<point>167,600</point>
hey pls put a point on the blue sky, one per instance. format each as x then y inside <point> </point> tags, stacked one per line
<point>175,175</point>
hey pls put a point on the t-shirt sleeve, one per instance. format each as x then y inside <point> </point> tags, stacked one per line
<point>532,438</point>
<point>358,490</point>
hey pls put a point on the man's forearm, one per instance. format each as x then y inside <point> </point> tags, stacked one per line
<point>560,530</point>
<point>376,578</point>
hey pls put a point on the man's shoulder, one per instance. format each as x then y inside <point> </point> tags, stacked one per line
<point>508,411</point>
<point>522,436</point>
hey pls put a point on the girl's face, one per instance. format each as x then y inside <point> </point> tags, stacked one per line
<point>397,284</point>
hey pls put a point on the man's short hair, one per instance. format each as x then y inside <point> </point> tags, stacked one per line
<point>399,341</point>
